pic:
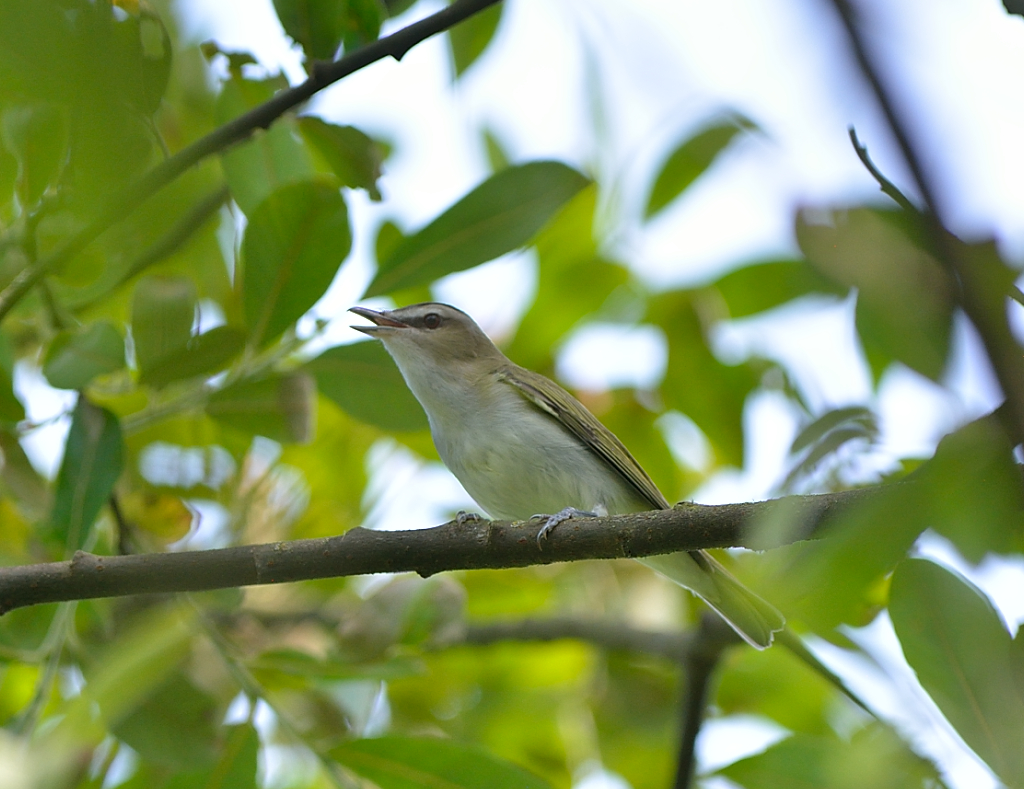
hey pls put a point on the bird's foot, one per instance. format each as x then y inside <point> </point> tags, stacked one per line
<point>551,521</point>
<point>462,517</point>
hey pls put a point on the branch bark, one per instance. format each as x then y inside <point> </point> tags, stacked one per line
<point>233,132</point>
<point>451,546</point>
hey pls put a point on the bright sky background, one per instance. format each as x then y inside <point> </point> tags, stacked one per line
<point>664,66</point>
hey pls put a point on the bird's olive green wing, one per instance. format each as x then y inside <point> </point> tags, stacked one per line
<point>553,399</point>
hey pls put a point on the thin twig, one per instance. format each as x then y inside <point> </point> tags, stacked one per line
<point>888,187</point>
<point>234,132</point>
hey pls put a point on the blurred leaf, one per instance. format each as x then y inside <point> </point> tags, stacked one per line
<point>281,407</point>
<point>756,288</point>
<point>37,136</point>
<point>574,283</point>
<point>295,242</point>
<point>426,763</point>
<point>960,649</point>
<point>874,757</point>
<point>389,236</point>
<point>496,154</point>
<point>203,354</point>
<point>832,580</point>
<point>146,653</point>
<point>499,216</point>
<point>272,158</point>
<point>691,158</point>
<point>335,469</point>
<point>107,68</point>
<point>160,515</point>
<point>91,465</point>
<point>776,684</point>
<point>75,358</point>
<point>974,491</point>
<point>363,379</point>
<point>470,37</point>
<point>826,435</point>
<point>235,768</point>
<point>830,420</point>
<point>716,404</point>
<point>20,479</point>
<point>832,442</point>
<point>354,157</point>
<point>11,409</point>
<point>174,727</point>
<point>163,311</point>
<point>320,26</point>
<point>281,667</point>
<point>969,491</point>
<point>1014,7</point>
<point>905,299</point>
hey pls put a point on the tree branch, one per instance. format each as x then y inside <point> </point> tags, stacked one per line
<point>451,546</point>
<point>712,637</point>
<point>983,280</point>
<point>233,132</point>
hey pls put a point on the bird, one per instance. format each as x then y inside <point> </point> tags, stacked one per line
<point>522,446</point>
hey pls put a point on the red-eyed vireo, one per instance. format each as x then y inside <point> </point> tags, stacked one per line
<point>522,445</point>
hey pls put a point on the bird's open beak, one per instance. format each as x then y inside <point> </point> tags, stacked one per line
<point>380,321</point>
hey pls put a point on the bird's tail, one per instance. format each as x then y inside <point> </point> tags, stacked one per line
<point>755,620</point>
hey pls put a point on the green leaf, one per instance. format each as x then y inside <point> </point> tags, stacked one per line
<point>973,489</point>
<point>874,757</point>
<point>969,491</point>
<point>354,157</point>
<point>174,727</point>
<point>429,763</point>
<point>203,354</point>
<point>270,159</point>
<point>691,158</point>
<point>574,283</point>
<point>829,445</point>
<point>716,405</point>
<point>281,407</point>
<point>75,358</point>
<point>960,649</point>
<point>905,299</point>
<point>470,37</point>
<point>756,288</point>
<point>37,136</point>
<point>294,245</point>
<point>93,456</point>
<point>20,479</point>
<point>163,311</point>
<point>235,769</point>
<point>151,647</point>
<point>363,379</point>
<point>11,409</point>
<point>499,216</point>
<point>320,26</point>
<point>830,420</point>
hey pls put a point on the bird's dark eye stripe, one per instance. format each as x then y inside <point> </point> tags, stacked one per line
<point>431,320</point>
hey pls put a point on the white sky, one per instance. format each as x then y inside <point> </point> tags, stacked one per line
<point>664,65</point>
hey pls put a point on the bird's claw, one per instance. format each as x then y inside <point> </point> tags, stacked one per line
<point>462,517</point>
<point>551,521</point>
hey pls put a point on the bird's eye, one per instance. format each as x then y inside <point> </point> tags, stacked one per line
<point>431,320</point>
